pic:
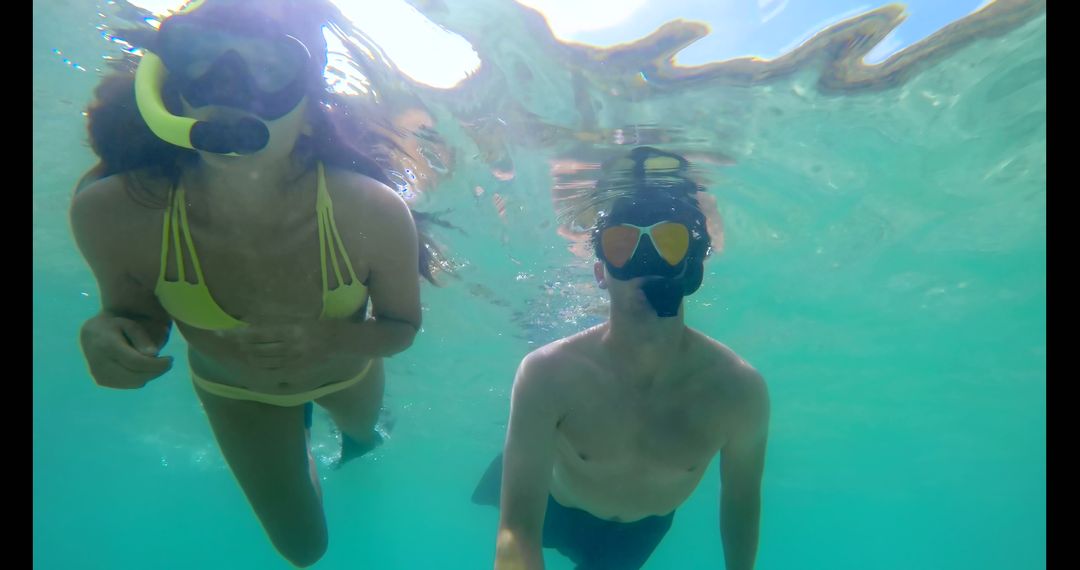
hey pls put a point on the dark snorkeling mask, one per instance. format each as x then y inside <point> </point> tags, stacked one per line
<point>657,231</point>
<point>224,55</point>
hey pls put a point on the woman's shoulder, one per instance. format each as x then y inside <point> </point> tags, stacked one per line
<point>353,183</point>
<point>362,195</point>
<point>123,190</point>
<point>119,204</point>
<point>369,214</point>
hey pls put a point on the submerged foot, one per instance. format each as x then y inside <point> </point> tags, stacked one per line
<point>352,448</point>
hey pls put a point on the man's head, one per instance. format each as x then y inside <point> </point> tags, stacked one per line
<point>653,240</point>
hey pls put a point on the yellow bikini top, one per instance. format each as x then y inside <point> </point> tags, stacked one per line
<point>192,303</point>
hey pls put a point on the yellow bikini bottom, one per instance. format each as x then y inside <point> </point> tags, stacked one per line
<point>283,400</point>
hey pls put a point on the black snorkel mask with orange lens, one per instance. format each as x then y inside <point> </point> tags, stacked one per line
<point>657,231</point>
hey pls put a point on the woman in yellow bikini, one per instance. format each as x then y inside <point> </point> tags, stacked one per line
<point>227,201</point>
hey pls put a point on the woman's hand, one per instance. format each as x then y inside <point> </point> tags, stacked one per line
<point>120,353</point>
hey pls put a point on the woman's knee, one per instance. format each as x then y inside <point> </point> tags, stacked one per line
<point>302,549</point>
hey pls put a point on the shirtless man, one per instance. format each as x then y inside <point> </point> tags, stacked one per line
<point>611,429</point>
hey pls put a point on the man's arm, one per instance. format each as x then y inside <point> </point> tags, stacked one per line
<point>741,466</point>
<point>527,462</point>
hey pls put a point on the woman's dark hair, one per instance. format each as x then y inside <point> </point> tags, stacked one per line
<point>125,145</point>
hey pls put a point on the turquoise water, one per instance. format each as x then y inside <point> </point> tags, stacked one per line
<point>883,266</point>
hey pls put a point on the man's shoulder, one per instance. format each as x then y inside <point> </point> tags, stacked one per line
<point>723,368</point>
<point>559,362</point>
<point>564,352</point>
<point>729,393</point>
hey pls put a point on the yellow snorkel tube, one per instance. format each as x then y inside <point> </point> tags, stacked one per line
<point>245,136</point>
<point>149,79</point>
